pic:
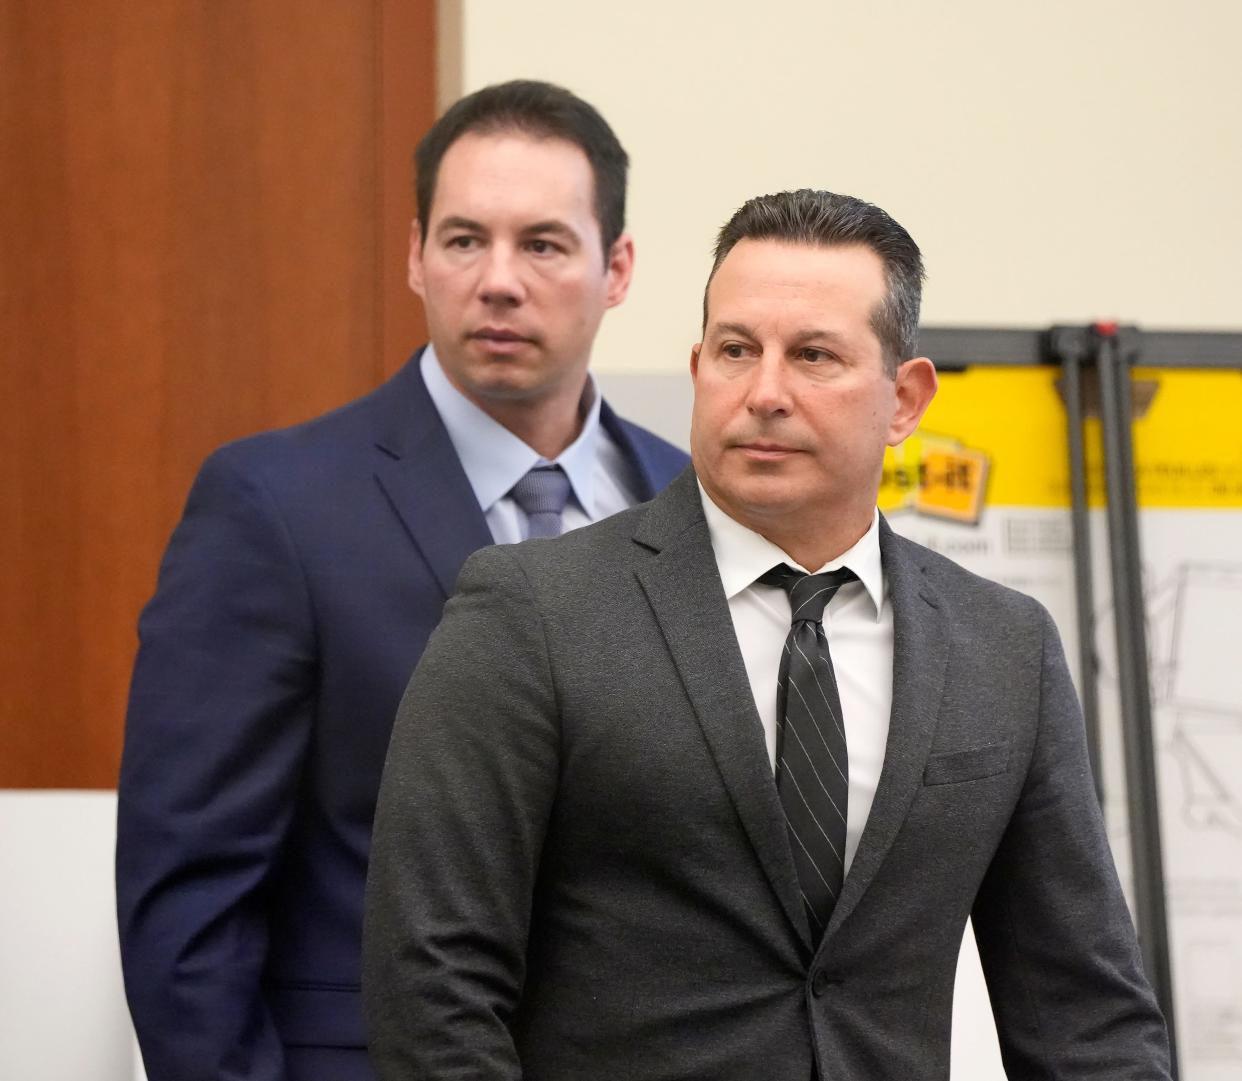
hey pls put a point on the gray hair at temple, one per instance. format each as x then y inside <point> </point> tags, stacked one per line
<point>825,219</point>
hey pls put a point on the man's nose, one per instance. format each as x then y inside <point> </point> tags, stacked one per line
<point>501,281</point>
<point>768,394</point>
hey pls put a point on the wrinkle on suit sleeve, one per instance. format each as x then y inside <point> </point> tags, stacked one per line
<point>1055,937</point>
<point>468,788</point>
<point>217,729</point>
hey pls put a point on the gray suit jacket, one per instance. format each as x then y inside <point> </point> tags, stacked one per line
<point>580,868</point>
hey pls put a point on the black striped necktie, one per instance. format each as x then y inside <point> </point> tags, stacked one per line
<point>812,765</point>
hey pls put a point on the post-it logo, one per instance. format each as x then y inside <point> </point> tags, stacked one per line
<point>936,476</point>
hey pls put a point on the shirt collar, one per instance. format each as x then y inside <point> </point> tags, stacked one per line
<point>494,459</point>
<point>743,555</point>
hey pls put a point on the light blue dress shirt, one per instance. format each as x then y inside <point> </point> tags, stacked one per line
<point>494,459</point>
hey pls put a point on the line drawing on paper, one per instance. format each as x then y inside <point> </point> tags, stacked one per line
<point>1194,630</point>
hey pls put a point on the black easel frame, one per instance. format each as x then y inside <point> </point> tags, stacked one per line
<point>1109,352</point>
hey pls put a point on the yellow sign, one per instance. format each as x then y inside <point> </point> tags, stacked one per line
<point>999,434</point>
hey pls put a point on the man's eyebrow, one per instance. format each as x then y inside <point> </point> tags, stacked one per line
<point>806,334</point>
<point>740,329</point>
<point>449,224</point>
<point>811,334</point>
<point>551,226</point>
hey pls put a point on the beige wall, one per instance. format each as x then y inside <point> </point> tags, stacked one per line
<point>1066,161</point>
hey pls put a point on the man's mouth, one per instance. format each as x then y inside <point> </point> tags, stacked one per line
<point>500,335</point>
<point>765,449</point>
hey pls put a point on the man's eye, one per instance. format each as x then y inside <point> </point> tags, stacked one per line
<point>461,243</point>
<point>733,350</point>
<point>814,356</point>
<point>541,247</point>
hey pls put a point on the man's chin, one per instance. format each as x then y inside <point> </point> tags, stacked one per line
<point>758,497</point>
<point>507,390</point>
<point>511,382</point>
<point>489,368</point>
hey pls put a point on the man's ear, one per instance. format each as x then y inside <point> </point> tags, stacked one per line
<point>695,350</point>
<point>414,263</point>
<point>915,387</point>
<point>620,269</point>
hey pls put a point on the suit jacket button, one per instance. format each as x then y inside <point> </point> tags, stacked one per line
<point>819,982</point>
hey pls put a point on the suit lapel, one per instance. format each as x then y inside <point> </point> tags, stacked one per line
<point>920,653</point>
<point>646,483</point>
<point>684,590</point>
<point>420,473</point>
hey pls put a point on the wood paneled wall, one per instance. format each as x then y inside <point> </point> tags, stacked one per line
<point>203,219</point>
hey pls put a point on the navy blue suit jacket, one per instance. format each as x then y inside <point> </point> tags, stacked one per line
<point>294,600</point>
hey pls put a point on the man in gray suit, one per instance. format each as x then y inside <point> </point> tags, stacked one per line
<point>653,811</point>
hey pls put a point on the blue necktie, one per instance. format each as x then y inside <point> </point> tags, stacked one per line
<point>542,494</point>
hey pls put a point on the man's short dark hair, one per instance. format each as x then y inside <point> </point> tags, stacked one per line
<point>826,220</point>
<point>540,110</point>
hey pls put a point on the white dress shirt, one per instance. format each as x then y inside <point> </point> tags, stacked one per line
<point>494,459</point>
<point>859,625</point>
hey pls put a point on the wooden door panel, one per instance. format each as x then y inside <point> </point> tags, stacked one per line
<point>200,199</point>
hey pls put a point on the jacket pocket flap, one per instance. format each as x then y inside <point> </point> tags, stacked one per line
<point>971,765</point>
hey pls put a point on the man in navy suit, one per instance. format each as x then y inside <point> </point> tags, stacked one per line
<point>308,571</point>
